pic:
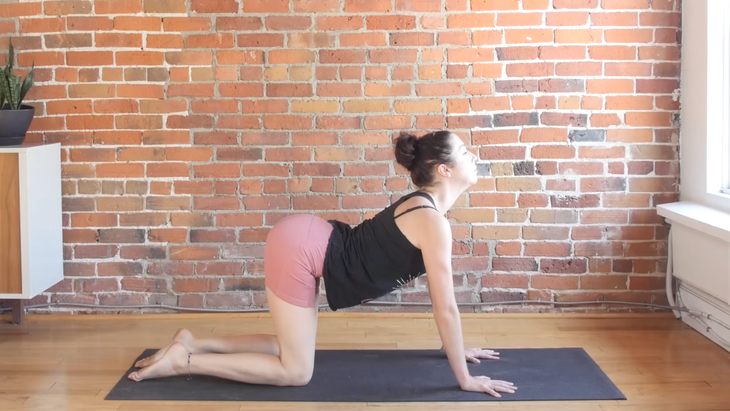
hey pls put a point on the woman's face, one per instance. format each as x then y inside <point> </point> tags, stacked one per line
<point>464,167</point>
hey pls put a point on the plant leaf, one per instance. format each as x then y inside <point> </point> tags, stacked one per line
<point>2,89</point>
<point>11,56</point>
<point>14,84</point>
<point>4,84</point>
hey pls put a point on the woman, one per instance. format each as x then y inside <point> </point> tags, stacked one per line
<point>409,238</point>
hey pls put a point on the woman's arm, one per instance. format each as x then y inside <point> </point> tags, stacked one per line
<point>435,243</point>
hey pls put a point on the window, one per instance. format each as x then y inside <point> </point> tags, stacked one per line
<point>723,89</point>
<point>705,104</point>
<point>705,97</point>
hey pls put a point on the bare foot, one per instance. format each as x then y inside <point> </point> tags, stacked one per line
<point>174,362</point>
<point>183,336</point>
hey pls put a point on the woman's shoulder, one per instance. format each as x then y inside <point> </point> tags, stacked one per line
<point>411,201</point>
<point>420,222</point>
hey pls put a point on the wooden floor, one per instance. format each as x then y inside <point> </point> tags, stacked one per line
<point>72,362</point>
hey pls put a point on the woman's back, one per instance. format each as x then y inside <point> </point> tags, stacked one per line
<point>375,257</point>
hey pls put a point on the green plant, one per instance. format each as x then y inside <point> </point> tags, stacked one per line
<point>12,89</point>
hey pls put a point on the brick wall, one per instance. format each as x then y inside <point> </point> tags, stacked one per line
<point>190,127</point>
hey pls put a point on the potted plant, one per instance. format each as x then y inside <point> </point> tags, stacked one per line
<point>15,117</point>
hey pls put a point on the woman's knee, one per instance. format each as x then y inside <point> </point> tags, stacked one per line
<point>300,376</point>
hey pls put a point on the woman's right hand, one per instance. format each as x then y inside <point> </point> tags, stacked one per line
<point>488,385</point>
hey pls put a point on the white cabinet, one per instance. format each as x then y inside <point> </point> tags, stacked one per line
<point>31,233</point>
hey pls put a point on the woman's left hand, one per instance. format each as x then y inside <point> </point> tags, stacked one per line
<point>474,354</point>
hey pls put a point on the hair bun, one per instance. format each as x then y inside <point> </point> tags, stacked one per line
<point>406,149</point>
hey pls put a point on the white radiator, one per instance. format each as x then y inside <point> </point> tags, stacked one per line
<point>700,260</point>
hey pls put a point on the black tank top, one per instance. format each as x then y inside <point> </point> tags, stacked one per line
<point>371,259</point>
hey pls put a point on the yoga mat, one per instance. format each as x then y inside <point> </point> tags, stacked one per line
<point>397,376</point>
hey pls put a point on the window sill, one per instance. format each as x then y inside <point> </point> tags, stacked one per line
<point>724,196</point>
<point>708,220</point>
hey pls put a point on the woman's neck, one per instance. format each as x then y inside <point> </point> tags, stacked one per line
<point>443,196</point>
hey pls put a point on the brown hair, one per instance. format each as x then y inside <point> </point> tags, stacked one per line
<point>421,155</point>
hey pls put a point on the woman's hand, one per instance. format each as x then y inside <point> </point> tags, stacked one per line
<point>488,385</point>
<point>474,354</point>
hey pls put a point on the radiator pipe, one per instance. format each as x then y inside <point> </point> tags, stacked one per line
<point>670,274</point>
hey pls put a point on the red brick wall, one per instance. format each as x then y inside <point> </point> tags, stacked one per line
<point>190,127</point>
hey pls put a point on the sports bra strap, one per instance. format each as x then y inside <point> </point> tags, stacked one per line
<point>414,208</point>
<point>420,194</point>
<point>424,195</point>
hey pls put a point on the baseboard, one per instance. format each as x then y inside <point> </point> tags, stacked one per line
<point>197,316</point>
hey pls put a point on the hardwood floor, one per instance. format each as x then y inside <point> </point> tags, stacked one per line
<point>62,362</point>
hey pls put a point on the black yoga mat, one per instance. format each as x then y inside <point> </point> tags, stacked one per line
<point>397,376</point>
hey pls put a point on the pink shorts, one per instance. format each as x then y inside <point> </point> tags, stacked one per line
<point>294,257</point>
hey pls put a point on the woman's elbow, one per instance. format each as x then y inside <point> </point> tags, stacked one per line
<point>446,309</point>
